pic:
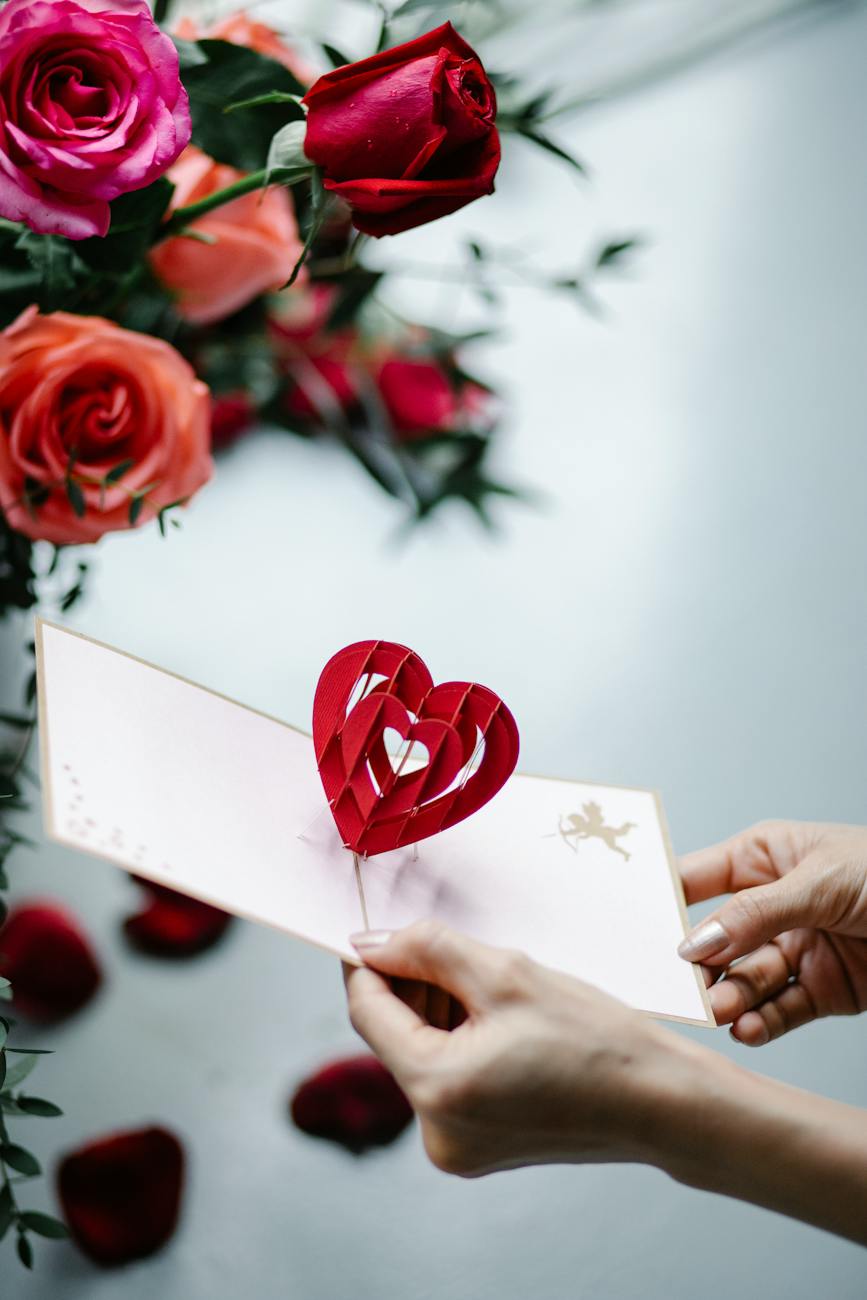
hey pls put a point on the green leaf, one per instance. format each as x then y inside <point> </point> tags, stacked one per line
<point>334,56</point>
<point>161,10</point>
<point>135,221</point>
<point>16,1074</point>
<point>272,97</point>
<point>286,156</point>
<point>58,264</point>
<point>45,1224</point>
<point>117,471</point>
<point>356,286</point>
<point>318,209</point>
<point>545,143</point>
<point>38,1106</point>
<point>25,1251</point>
<point>231,74</point>
<point>7,1209</point>
<point>135,509</point>
<point>614,251</point>
<point>16,720</point>
<point>19,1159</point>
<point>4,1032</point>
<point>2,1070</point>
<point>189,54</point>
<point>31,1051</point>
<point>76,497</point>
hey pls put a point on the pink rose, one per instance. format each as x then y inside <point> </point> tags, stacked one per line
<point>255,243</point>
<point>81,386</point>
<point>91,106</point>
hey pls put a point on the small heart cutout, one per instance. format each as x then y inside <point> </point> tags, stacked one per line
<point>465,736</point>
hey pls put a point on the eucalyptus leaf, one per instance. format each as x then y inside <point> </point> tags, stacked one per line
<point>19,1159</point>
<point>39,1106</point>
<point>44,1224</point>
<point>25,1251</point>
<point>7,1209</point>
<point>16,1074</point>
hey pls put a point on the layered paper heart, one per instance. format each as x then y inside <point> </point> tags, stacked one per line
<point>458,746</point>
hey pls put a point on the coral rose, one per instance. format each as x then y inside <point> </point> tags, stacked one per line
<point>239,29</point>
<point>121,1195</point>
<point>80,399</point>
<point>408,135</point>
<point>255,243</point>
<point>91,106</point>
<point>49,960</point>
<point>354,1102</point>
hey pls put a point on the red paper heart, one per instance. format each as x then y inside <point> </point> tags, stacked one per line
<point>376,806</point>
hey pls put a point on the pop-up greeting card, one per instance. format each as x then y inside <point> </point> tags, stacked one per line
<point>403,804</point>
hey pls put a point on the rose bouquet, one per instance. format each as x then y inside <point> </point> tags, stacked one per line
<point>184,218</point>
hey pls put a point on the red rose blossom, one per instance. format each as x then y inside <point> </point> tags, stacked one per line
<point>408,135</point>
<point>354,1102</point>
<point>49,961</point>
<point>173,925</point>
<point>121,1194</point>
<point>421,397</point>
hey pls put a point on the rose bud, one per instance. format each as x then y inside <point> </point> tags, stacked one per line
<point>232,415</point>
<point>252,243</point>
<point>354,1102</point>
<point>92,107</point>
<point>408,135</point>
<point>80,400</point>
<point>121,1195</point>
<point>173,925</point>
<point>49,961</point>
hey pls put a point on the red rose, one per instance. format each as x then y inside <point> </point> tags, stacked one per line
<point>408,135</point>
<point>173,925</point>
<point>354,1102</point>
<point>421,397</point>
<point>49,961</point>
<point>232,414</point>
<point>121,1195</point>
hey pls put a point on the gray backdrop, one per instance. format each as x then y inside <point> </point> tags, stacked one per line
<point>687,611</point>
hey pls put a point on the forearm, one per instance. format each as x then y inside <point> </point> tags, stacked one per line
<point>729,1131</point>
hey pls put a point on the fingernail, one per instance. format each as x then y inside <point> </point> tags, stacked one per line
<point>365,940</point>
<point>704,941</point>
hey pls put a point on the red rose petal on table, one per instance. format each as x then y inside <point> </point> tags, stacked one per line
<point>173,925</point>
<point>49,960</point>
<point>354,1102</point>
<point>121,1194</point>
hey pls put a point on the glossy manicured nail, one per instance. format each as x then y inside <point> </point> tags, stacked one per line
<point>366,940</point>
<point>704,941</point>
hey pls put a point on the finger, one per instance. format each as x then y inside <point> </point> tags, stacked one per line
<point>753,917</point>
<point>749,983</point>
<point>394,1031</point>
<point>736,863</point>
<point>779,1015</point>
<point>431,952</point>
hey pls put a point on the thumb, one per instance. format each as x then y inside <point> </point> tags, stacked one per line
<point>752,917</point>
<point>431,952</point>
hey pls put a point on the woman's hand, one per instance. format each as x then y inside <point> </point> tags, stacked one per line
<point>541,1068</point>
<point>798,918</point>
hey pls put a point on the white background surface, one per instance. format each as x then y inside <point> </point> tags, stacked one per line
<point>687,612</point>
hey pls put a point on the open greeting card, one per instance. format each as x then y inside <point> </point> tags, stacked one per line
<point>403,804</point>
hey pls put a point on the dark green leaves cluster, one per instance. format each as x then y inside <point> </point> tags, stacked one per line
<point>16,1063</point>
<point>239,100</point>
<point>526,117</point>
